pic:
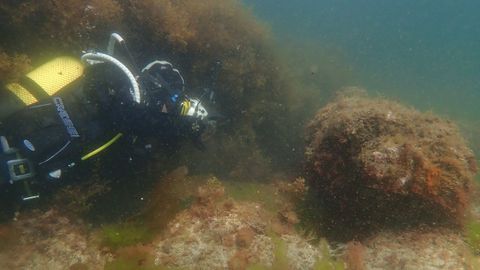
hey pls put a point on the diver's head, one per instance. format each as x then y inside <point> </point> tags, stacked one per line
<point>164,92</point>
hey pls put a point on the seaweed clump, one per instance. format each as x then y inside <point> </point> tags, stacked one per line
<point>220,46</point>
<point>37,28</point>
<point>12,67</point>
<point>373,163</point>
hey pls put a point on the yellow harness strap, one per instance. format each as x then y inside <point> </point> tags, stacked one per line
<point>103,147</point>
<point>57,73</point>
<point>23,94</point>
<point>52,77</point>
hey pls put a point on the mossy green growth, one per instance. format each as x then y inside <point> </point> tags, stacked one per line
<point>251,191</point>
<point>327,262</point>
<point>472,235</point>
<point>280,261</point>
<point>126,234</point>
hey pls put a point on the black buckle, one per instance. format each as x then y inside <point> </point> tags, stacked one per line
<point>19,169</point>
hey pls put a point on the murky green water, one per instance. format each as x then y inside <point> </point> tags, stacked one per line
<point>376,186</point>
<point>425,53</point>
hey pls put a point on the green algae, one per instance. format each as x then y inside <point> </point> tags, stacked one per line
<point>328,262</point>
<point>116,236</point>
<point>253,191</point>
<point>472,235</point>
<point>281,262</point>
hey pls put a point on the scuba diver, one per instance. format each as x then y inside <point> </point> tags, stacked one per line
<point>69,110</point>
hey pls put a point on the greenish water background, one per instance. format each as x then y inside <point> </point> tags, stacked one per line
<point>422,52</point>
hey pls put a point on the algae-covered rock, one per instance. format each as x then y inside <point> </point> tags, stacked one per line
<point>49,240</point>
<point>219,233</point>
<point>417,249</point>
<point>373,163</point>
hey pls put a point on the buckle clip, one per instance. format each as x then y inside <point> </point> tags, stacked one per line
<point>19,169</point>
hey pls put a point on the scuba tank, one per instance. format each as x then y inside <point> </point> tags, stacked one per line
<point>40,115</point>
<point>31,91</point>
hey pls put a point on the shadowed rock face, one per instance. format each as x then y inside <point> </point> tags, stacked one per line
<point>374,163</point>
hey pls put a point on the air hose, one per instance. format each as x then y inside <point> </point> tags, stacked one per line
<point>96,57</point>
<point>116,38</point>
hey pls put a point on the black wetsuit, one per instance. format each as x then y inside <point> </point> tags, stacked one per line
<point>59,131</point>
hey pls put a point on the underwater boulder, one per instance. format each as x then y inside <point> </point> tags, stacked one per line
<point>374,163</point>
